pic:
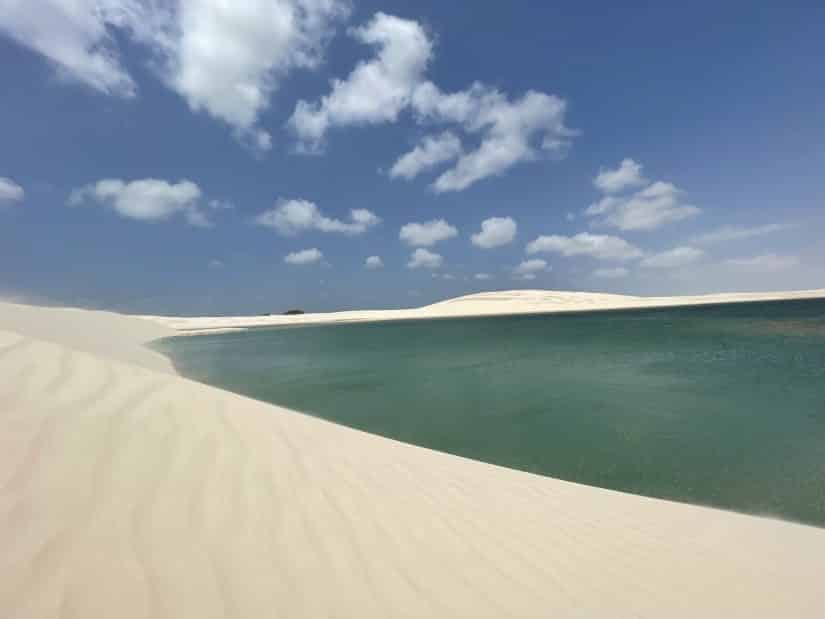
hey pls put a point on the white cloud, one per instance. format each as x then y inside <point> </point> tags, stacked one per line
<point>76,37</point>
<point>377,90</point>
<point>424,259</point>
<point>227,57</point>
<point>628,174</point>
<point>431,151</point>
<point>222,57</point>
<point>221,205</point>
<point>511,131</point>
<point>601,246</point>
<point>427,233</point>
<point>482,276</point>
<point>527,269</point>
<point>673,258</point>
<point>10,191</point>
<point>611,273</point>
<point>374,262</point>
<point>148,199</point>
<point>764,263</point>
<point>495,231</point>
<point>289,217</point>
<point>305,256</point>
<point>736,233</point>
<point>656,205</point>
<point>216,264</point>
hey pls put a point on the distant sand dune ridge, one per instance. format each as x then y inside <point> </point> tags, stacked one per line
<point>128,492</point>
<point>479,304</point>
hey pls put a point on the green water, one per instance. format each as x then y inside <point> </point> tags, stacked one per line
<point>720,405</point>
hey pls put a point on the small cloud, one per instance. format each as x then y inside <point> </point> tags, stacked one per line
<point>148,200</point>
<point>736,233</point>
<point>431,151</point>
<point>600,246</point>
<point>654,206</point>
<point>570,216</point>
<point>220,205</point>
<point>611,273</point>
<point>290,217</point>
<point>374,262</point>
<point>427,233</point>
<point>673,258</point>
<point>424,259</point>
<point>216,264</point>
<point>628,174</point>
<point>482,276</point>
<point>527,269</point>
<point>10,192</point>
<point>305,256</point>
<point>764,263</point>
<point>495,232</point>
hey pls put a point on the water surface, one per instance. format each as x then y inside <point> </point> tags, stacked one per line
<point>721,405</point>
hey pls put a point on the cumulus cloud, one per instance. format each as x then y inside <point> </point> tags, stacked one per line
<point>374,262</point>
<point>10,191</point>
<point>225,58</point>
<point>305,256</point>
<point>510,131</point>
<point>495,232</point>
<point>600,246</point>
<point>628,174</point>
<point>482,276</point>
<point>77,37</point>
<point>427,233</point>
<point>527,269</point>
<point>290,217</point>
<point>611,273</point>
<point>424,259</point>
<point>377,90</point>
<point>736,233</point>
<point>149,199</point>
<point>764,263</point>
<point>656,205</point>
<point>431,151</point>
<point>673,258</point>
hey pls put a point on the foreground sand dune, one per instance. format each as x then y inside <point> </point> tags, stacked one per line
<point>480,304</point>
<point>131,493</point>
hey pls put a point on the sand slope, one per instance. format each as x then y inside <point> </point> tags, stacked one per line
<point>113,336</point>
<point>129,493</point>
<point>480,304</point>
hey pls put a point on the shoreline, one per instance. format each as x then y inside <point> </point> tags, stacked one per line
<point>128,491</point>
<point>505,303</point>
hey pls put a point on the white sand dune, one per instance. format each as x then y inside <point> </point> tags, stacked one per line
<point>128,492</point>
<point>481,304</point>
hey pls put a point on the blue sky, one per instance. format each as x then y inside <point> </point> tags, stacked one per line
<point>210,157</point>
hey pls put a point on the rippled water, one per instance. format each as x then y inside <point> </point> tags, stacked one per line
<point>720,405</point>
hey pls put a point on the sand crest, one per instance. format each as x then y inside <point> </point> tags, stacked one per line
<point>479,304</point>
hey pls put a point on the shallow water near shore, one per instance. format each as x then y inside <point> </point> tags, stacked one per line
<point>721,405</point>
